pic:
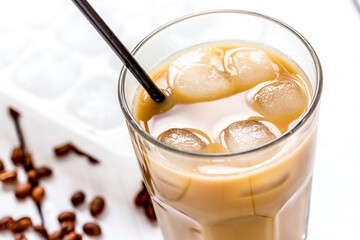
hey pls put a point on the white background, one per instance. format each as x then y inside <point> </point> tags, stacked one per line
<point>30,27</point>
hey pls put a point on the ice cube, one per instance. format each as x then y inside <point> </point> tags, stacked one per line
<point>207,55</point>
<point>12,45</point>
<point>281,99</point>
<point>200,81</point>
<point>48,73</point>
<point>183,139</point>
<point>78,35</point>
<point>250,67</point>
<point>96,103</point>
<point>244,135</point>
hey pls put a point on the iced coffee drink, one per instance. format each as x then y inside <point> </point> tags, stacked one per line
<point>229,154</point>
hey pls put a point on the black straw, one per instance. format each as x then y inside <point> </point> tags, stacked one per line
<point>120,50</point>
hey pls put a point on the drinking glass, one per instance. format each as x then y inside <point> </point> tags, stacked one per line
<point>259,194</point>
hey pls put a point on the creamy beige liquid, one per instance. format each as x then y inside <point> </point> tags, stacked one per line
<point>227,200</point>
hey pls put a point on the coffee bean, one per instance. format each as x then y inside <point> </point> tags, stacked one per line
<point>33,177</point>
<point>21,225</point>
<point>22,190</point>
<point>93,160</point>
<point>77,198</point>
<point>28,162</point>
<point>18,156</point>
<point>97,206</point>
<point>63,150</point>
<point>8,177</point>
<point>40,229</point>
<point>77,151</point>
<point>5,223</point>
<point>38,193</point>
<point>20,236</point>
<point>149,211</point>
<point>67,216</point>
<point>14,114</point>
<point>92,229</point>
<point>73,236</point>
<point>43,172</point>
<point>67,227</point>
<point>56,235</point>
<point>142,198</point>
<point>2,167</point>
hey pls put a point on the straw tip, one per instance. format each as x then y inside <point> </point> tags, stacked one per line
<point>159,98</point>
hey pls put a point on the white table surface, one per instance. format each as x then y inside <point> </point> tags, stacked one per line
<point>31,27</point>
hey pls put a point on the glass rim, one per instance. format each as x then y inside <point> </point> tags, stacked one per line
<point>309,112</point>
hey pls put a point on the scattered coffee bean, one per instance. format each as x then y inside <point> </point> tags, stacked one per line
<point>67,148</point>
<point>56,235</point>
<point>77,151</point>
<point>63,150</point>
<point>73,236</point>
<point>142,198</point>
<point>8,177</point>
<point>22,190</point>
<point>67,227</point>
<point>28,162</point>
<point>93,160</point>
<point>67,216</point>
<point>43,172</point>
<point>149,211</point>
<point>92,229</point>
<point>40,229</point>
<point>77,198</point>
<point>5,223</point>
<point>97,206</point>
<point>20,236</point>
<point>17,156</point>
<point>33,177</point>
<point>21,225</point>
<point>2,167</point>
<point>14,114</point>
<point>38,193</point>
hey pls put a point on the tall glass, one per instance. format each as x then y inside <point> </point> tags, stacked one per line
<point>259,194</point>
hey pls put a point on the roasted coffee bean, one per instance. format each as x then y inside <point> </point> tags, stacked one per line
<point>8,177</point>
<point>43,172</point>
<point>97,206</point>
<point>40,229</point>
<point>5,223</point>
<point>73,236</point>
<point>22,190</point>
<point>142,198</point>
<point>28,162</point>
<point>56,235</point>
<point>67,227</point>
<point>67,216</point>
<point>17,156</point>
<point>33,177</point>
<point>92,229</point>
<point>14,114</point>
<point>77,151</point>
<point>149,211</point>
<point>63,150</point>
<point>20,236</point>
<point>2,167</point>
<point>77,198</point>
<point>38,193</point>
<point>93,160</point>
<point>21,225</point>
